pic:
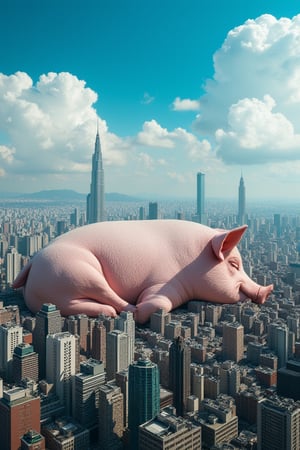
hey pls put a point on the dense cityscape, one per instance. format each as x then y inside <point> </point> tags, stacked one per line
<point>206,375</point>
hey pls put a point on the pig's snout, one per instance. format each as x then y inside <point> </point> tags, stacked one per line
<point>258,294</point>
<point>263,293</point>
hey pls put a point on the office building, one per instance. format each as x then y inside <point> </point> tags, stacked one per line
<point>98,345</point>
<point>61,365</point>
<point>110,417</point>
<point>48,321</point>
<point>201,215</point>
<point>218,421</point>
<point>86,393</point>
<point>278,341</point>
<point>230,378</point>
<point>122,382</point>
<point>143,396</point>
<point>117,358</point>
<point>167,431</point>
<point>158,320</point>
<point>19,413</point>
<point>233,342</point>
<point>64,433</point>
<point>125,322</point>
<point>95,199</point>
<point>288,380</point>
<point>25,363</point>
<point>278,424</point>
<point>242,202</point>
<point>32,440</point>
<point>12,264</point>
<point>153,211</point>
<point>246,403</point>
<point>11,335</point>
<point>180,374</point>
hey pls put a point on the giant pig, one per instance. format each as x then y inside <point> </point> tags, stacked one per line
<point>138,266</point>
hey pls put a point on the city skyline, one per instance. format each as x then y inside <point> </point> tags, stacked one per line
<point>202,90</point>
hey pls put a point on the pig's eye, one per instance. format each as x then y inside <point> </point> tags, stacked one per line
<point>235,264</point>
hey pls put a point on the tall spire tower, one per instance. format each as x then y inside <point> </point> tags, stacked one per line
<point>95,199</point>
<point>242,202</point>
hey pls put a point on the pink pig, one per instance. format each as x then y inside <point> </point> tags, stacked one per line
<point>138,266</point>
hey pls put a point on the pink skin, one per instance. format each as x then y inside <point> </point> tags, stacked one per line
<point>138,266</point>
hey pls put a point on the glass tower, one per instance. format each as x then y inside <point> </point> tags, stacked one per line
<point>201,198</point>
<point>242,202</point>
<point>143,396</point>
<point>95,199</point>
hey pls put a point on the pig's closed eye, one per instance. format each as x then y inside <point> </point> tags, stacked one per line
<point>235,264</point>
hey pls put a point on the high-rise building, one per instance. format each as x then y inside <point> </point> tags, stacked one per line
<point>19,413</point>
<point>201,198</point>
<point>12,264</point>
<point>180,374</point>
<point>25,363</point>
<point>95,199</point>
<point>233,342</point>
<point>278,424</point>
<point>110,417</point>
<point>48,321</point>
<point>143,396</point>
<point>242,202</point>
<point>98,344</point>
<point>11,335</point>
<point>61,365</point>
<point>125,322</point>
<point>288,380</point>
<point>278,340</point>
<point>218,420</point>
<point>32,440</point>
<point>117,358</point>
<point>153,211</point>
<point>86,393</point>
<point>167,431</point>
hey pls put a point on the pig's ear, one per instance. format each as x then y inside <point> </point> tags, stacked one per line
<point>223,242</point>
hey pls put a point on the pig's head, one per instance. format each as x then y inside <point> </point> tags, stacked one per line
<point>225,281</point>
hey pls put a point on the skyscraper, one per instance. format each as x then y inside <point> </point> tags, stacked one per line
<point>143,396</point>
<point>117,358</point>
<point>153,211</point>
<point>111,418</point>
<point>48,321</point>
<point>242,202</point>
<point>233,342</point>
<point>25,363</point>
<point>86,393</point>
<point>201,198</point>
<point>125,322</point>
<point>61,365</point>
<point>278,421</point>
<point>180,374</point>
<point>95,199</point>
<point>11,335</point>
<point>19,413</point>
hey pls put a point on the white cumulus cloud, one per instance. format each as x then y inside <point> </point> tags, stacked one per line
<point>250,109</point>
<point>50,128</point>
<point>185,104</point>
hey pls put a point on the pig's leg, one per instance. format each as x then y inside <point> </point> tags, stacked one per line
<point>150,301</point>
<point>99,291</point>
<point>86,306</point>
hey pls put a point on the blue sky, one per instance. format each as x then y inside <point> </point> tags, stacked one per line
<point>178,87</point>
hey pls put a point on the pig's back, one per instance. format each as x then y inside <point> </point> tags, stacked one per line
<point>137,254</point>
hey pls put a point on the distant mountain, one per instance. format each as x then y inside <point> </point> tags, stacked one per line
<point>63,195</point>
